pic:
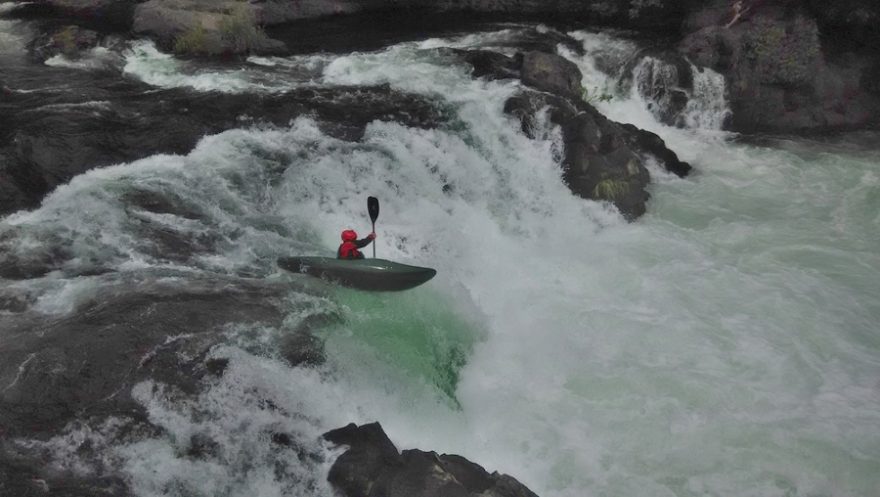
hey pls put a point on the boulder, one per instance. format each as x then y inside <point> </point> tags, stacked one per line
<point>204,27</point>
<point>603,160</point>
<point>488,64</point>
<point>372,467</point>
<point>551,73</point>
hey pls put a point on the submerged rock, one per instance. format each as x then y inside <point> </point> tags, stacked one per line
<point>69,41</point>
<point>372,467</point>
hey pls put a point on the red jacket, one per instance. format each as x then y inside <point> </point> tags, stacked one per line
<point>349,250</point>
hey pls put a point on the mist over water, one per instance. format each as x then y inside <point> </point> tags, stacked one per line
<point>726,344</point>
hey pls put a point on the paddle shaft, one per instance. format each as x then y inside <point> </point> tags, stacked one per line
<point>373,209</point>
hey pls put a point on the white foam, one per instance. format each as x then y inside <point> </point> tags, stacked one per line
<point>11,42</point>
<point>7,7</point>
<point>146,63</point>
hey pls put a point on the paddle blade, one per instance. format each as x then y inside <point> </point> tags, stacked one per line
<point>373,207</point>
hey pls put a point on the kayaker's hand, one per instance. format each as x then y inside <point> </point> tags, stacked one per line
<point>372,235</point>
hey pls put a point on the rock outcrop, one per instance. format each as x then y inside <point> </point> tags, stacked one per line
<point>372,467</point>
<point>780,75</point>
<point>207,27</point>
<point>792,65</point>
<point>603,160</point>
<point>204,27</point>
<point>855,20</point>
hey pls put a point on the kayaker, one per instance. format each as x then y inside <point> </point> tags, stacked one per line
<point>350,245</point>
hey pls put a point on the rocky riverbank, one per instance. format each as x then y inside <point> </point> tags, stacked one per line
<point>791,65</point>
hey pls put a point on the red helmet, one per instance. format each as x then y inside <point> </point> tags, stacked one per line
<point>349,236</point>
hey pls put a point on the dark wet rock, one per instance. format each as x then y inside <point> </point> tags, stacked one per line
<point>102,15</point>
<point>69,41</point>
<point>656,14</point>
<point>780,76</point>
<point>551,73</point>
<point>647,143</point>
<point>488,64</point>
<point>217,366</point>
<point>871,78</point>
<point>50,144</point>
<point>230,26</point>
<point>85,365</point>
<point>283,439</point>
<point>166,242</point>
<point>370,452</point>
<point>11,195</point>
<point>202,446</point>
<point>603,159</point>
<point>179,16</point>
<point>854,20</point>
<point>372,467</point>
<point>302,349</point>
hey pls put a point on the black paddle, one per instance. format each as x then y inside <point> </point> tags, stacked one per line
<point>373,208</point>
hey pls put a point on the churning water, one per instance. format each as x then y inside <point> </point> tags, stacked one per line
<point>726,344</point>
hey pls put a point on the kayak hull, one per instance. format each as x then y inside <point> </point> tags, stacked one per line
<point>377,275</point>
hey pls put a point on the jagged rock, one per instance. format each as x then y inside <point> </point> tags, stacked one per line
<point>372,467</point>
<point>645,142</point>
<point>603,159</point>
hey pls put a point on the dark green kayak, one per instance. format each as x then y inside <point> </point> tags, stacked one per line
<point>366,274</point>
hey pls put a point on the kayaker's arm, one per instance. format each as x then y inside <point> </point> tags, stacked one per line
<point>365,241</point>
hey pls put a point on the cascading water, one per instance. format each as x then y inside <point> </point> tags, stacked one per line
<point>723,345</point>
<point>675,93</point>
<point>703,105</point>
